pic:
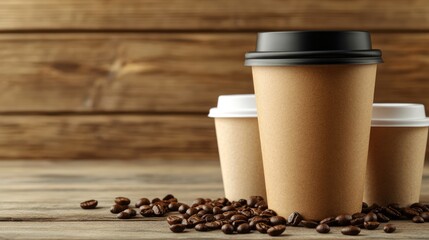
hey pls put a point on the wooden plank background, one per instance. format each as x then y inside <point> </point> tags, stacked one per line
<point>134,79</point>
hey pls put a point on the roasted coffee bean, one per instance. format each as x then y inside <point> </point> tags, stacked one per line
<point>183,208</point>
<point>382,218</point>
<point>147,213</point>
<point>392,212</point>
<point>191,211</point>
<point>223,201</point>
<point>238,217</point>
<point>237,223</point>
<point>173,219</point>
<point>236,204</point>
<point>253,223</point>
<point>219,217</point>
<point>228,208</point>
<point>246,213</point>
<point>123,215</point>
<point>357,221</point>
<point>343,220</point>
<point>409,212</point>
<point>394,205</point>
<point>131,212</point>
<point>194,219</point>
<point>277,220</point>
<point>201,227</point>
<point>90,204</point>
<point>371,217</point>
<point>309,224</point>
<point>268,213</point>
<point>117,208</point>
<point>201,213</point>
<point>425,216</point>
<point>168,197</point>
<point>323,228</point>
<point>261,205</point>
<point>364,205</point>
<point>358,215</point>
<point>173,206</point>
<point>389,228</point>
<point>207,208</point>
<point>208,217</point>
<point>155,200</point>
<point>330,221</point>
<point>187,223</point>
<point>217,210</point>
<point>141,202</point>
<point>243,202</point>
<point>276,230</point>
<point>229,214</point>
<point>199,201</point>
<point>294,219</point>
<point>262,227</point>
<point>371,225</point>
<point>350,230</point>
<point>158,210</point>
<point>214,225</point>
<point>122,201</point>
<point>418,219</point>
<point>177,228</point>
<point>243,228</point>
<point>253,200</point>
<point>227,229</point>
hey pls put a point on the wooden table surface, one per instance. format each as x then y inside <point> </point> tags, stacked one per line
<point>40,200</point>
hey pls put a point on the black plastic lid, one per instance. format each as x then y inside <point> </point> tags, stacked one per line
<point>313,47</point>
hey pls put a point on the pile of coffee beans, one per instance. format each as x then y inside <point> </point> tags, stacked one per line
<point>245,216</point>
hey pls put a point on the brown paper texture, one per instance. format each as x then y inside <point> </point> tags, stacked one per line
<point>395,165</point>
<point>240,157</point>
<point>314,123</point>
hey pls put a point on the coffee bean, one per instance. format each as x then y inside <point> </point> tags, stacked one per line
<point>131,212</point>
<point>123,215</point>
<point>187,223</point>
<point>358,215</point>
<point>382,218</point>
<point>343,220</point>
<point>253,200</point>
<point>168,197</point>
<point>323,228</point>
<point>201,213</point>
<point>371,225</point>
<point>173,206</point>
<point>418,219</point>
<point>246,212</point>
<point>371,217</point>
<point>194,220</point>
<point>425,216</point>
<point>90,204</point>
<point>219,217</point>
<point>262,205</point>
<point>173,219</point>
<point>207,208</point>
<point>227,229</point>
<point>330,221</point>
<point>229,214</point>
<point>183,208</point>
<point>158,210</point>
<point>141,202</point>
<point>177,228</point>
<point>394,205</point>
<point>238,217</point>
<point>262,227</point>
<point>268,213</point>
<point>357,222</point>
<point>392,212</point>
<point>214,225</point>
<point>122,201</point>
<point>243,202</point>
<point>201,227</point>
<point>276,230</point>
<point>118,208</point>
<point>243,228</point>
<point>364,205</point>
<point>277,220</point>
<point>217,210</point>
<point>350,230</point>
<point>191,211</point>
<point>146,211</point>
<point>389,228</point>
<point>155,200</point>
<point>294,219</point>
<point>228,208</point>
<point>237,223</point>
<point>208,217</point>
<point>309,224</point>
<point>409,212</point>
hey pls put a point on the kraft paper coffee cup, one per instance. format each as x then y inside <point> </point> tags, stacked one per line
<point>239,146</point>
<point>314,93</point>
<point>396,153</point>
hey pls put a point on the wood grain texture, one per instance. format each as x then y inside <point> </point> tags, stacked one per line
<point>213,15</point>
<point>108,137</point>
<point>40,200</point>
<point>165,72</point>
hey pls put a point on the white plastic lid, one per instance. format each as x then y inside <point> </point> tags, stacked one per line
<point>235,106</point>
<point>399,115</point>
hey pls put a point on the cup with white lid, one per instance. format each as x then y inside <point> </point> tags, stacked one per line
<point>239,146</point>
<point>396,156</point>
